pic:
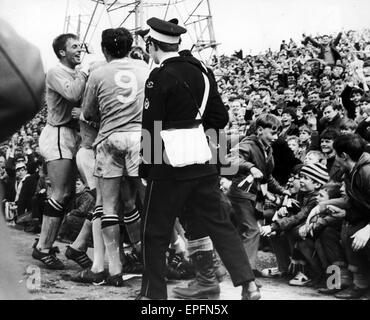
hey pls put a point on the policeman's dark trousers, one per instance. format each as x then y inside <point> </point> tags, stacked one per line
<point>167,199</point>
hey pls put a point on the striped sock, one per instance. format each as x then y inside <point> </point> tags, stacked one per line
<point>53,208</point>
<point>109,221</point>
<point>131,217</point>
<point>98,212</point>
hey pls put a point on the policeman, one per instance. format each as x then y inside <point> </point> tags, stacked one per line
<point>173,93</point>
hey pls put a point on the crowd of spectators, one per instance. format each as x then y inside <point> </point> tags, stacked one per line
<point>319,89</point>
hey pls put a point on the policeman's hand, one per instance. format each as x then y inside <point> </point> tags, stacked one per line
<point>256,173</point>
<point>144,182</point>
<point>76,112</point>
<point>361,238</point>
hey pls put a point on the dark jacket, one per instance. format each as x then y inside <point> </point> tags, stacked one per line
<point>358,191</point>
<point>307,201</point>
<point>284,160</point>
<point>249,153</point>
<point>333,44</point>
<point>168,100</point>
<point>82,204</point>
<point>333,124</point>
<point>357,201</point>
<point>27,192</point>
<point>293,130</point>
<point>363,129</point>
<point>348,104</point>
<point>335,170</point>
<point>325,219</point>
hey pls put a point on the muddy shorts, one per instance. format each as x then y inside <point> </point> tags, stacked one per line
<point>118,155</point>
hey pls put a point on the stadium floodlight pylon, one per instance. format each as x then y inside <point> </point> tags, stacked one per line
<point>133,15</point>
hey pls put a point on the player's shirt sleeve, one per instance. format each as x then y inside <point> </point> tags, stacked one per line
<point>90,104</point>
<point>69,88</point>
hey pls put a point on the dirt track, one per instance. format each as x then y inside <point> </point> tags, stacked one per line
<point>56,286</point>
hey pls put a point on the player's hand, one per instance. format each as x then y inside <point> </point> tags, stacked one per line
<point>87,63</point>
<point>266,231</point>
<point>361,238</point>
<point>76,112</point>
<point>256,173</point>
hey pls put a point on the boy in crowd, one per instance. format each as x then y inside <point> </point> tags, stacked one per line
<point>325,229</point>
<point>305,134</point>
<point>282,245</point>
<point>287,122</point>
<point>351,155</point>
<point>254,159</point>
<point>347,126</point>
<point>312,178</point>
<point>82,204</point>
<point>314,156</point>
<point>331,117</point>
<point>326,144</point>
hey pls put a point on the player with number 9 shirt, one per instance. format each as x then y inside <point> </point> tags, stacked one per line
<point>114,95</point>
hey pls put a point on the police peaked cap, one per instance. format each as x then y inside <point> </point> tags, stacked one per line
<point>165,31</point>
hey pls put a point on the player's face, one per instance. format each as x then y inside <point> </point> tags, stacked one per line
<point>73,52</point>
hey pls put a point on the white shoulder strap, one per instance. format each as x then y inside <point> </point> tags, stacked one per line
<point>205,97</point>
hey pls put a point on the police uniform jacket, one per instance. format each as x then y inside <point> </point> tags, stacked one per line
<point>169,100</point>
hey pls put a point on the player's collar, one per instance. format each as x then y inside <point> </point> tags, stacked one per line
<point>120,60</point>
<point>63,66</point>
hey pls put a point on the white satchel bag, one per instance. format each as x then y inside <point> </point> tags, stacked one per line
<point>184,147</point>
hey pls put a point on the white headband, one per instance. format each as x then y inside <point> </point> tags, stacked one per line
<point>164,38</point>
